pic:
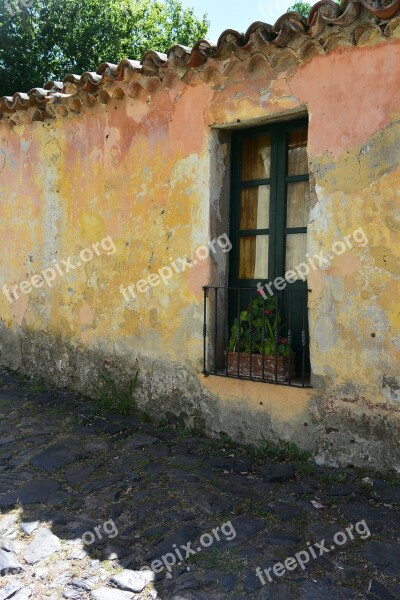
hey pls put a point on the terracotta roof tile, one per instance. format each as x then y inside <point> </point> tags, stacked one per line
<point>354,22</point>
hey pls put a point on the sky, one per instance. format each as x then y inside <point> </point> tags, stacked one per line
<point>237,14</point>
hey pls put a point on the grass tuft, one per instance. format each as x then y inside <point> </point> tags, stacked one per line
<point>112,398</point>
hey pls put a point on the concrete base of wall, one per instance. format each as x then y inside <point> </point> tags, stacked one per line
<point>337,430</point>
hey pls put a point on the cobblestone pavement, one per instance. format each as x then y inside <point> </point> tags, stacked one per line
<point>87,500</point>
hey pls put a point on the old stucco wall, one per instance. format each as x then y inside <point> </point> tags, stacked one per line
<point>147,169</point>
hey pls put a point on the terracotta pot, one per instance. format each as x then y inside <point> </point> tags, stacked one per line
<point>282,366</point>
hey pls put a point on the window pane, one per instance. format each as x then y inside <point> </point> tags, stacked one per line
<point>253,257</point>
<point>254,208</point>
<point>296,249</point>
<point>298,204</point>
<point>256,158</point>
<point>297,152</point>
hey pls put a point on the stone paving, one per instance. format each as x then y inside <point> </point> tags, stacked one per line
<point>88,500</point>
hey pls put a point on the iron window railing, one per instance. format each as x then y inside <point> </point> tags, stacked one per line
<point>241,340</point>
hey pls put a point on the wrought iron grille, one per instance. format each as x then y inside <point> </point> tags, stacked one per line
<point>243,339</point>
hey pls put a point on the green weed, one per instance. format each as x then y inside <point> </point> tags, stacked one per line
<point>112,398</point>
<point>145,417</point>
<point>331,478</point>
<point>38,386</point>
<point>283,451</point>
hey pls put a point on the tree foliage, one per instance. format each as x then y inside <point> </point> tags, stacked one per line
<point>43,40</point>
<point>301,7</point>
<point>304,7</point>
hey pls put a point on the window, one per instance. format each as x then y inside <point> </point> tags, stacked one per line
<point>270,202</point>
<point>269,213</point>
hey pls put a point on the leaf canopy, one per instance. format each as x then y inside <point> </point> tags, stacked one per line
<point>42,40</point>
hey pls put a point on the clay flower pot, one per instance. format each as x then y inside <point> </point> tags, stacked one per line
<point>282,366</point>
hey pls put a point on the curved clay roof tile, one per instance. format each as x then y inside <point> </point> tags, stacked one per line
<point>90,76</point>
<point>179,55</point>
<point>158,59</point>
<point>267,32</point>
<point>383,9</point>
<point>117,72</point>
<point>179,50</point>
<point>323,8</point>
<point>71,78</point>
<point>287,26</point>
<point>231,37</point>
<point>54,86</point>
<point>109,68</point>
<point>127,63</point>
<point>350,9</point>
<point>202,46</point>
<point>39,93</point>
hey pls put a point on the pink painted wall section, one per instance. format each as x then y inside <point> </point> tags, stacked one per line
<point>350,95</point>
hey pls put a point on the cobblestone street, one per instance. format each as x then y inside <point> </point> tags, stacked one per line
<point>87,500</point>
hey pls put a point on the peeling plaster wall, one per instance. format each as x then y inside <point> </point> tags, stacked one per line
<point>152,173</point>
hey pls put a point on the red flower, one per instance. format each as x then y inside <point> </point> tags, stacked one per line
<point>268,312</point>
<point>260,293</point>
<point>283,341</point>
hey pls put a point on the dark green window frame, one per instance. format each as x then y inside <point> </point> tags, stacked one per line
<point>277,181</point>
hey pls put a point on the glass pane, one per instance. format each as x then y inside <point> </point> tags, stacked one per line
<point>256,158</point>
<point>298,204</point>
<point>253,257</point>
<point>297,152</point>
<point>254,208</point>
<point>296,249</point>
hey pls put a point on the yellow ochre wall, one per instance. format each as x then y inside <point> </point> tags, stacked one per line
<point>148,169</point>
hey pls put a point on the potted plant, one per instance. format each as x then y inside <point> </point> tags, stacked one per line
<point>267,358</point>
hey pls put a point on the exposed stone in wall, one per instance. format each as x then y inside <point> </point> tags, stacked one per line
<point>391,387</point>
